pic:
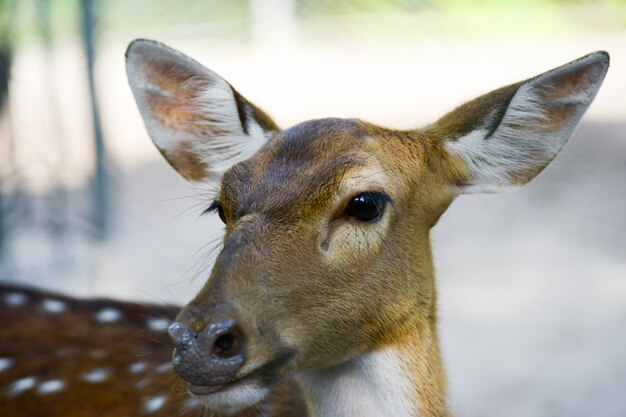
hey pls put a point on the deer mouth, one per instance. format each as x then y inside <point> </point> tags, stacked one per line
<point>268,374</point>
<point>231,397</point>
<point>206,390</point>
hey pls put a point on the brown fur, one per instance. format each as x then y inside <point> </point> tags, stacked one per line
<point>186,162</point>
<point>277,201</point>
<point>281,208</point>
<point>65,345</point>
<point>309,287</point>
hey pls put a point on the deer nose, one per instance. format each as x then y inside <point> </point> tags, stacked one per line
<point>209,359</point>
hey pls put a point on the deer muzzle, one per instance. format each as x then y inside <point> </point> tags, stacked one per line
<point>209,359</point>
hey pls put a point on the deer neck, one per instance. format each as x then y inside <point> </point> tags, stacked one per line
<point>399,381</point>
<point>404,378</point>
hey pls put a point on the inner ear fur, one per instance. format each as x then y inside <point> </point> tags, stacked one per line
<point>196,119</point>
<point>505,138</point>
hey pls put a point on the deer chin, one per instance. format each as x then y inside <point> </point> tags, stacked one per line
<point>243,392</point>
<point>230,398</point>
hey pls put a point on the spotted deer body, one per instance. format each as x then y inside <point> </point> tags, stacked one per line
<point>62,356</point>
<point>325,276</point>
<point>57,351</point>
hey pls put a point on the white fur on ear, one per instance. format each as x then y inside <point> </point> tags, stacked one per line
<point>537,123</point>
<point>512,147</point>
<point>195,118</point>
<point>234,144</point>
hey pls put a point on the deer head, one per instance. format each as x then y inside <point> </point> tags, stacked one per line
<point>326,271</point>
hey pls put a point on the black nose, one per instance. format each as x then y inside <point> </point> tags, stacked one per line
<point>210,357</point>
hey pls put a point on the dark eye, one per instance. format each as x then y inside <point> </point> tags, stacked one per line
<point>216,207</point>
<point>367,207</point>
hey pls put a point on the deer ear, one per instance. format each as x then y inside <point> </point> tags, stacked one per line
<point>505,138</point>
<point>201,125</point>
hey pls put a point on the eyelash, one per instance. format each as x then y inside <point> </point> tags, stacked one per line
<point>216,207</point>
<point>213,208</point>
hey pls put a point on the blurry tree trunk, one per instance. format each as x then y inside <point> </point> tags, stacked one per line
<point>57,204</point>
<point>6,12</point>
<point>100,183</point>
<point>6,53</point>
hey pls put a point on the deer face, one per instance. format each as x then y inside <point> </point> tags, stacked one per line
<point>309,274</point>
<point>311,244</point>
<point>326,253</point>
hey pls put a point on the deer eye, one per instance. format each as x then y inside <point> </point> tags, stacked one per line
<point>216,207</point>
<point>368,206</point>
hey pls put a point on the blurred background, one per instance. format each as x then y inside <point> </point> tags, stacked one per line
<point>532,284</point>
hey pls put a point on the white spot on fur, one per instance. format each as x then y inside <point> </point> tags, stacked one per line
<point>159,325</point>
<point>95,376</point>
<point>51,386</point>
<point>65,352</point>
<point>164,367</point>
<point>21,385</point>
<point>137,367</point>
<point>98,353</point>
<point>15,299</point>
<point>53,306</point>
<point>153,404</point>
<point>108,315</point>
<point>5,363</point>
<point>143,383</point>
<point>191,403</point>
<point>374,385</point>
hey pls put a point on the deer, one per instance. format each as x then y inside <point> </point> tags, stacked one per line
<point>66,356</point>
<point>322,300</point>
<point>326,272</point>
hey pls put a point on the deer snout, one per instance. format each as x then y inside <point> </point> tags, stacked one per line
<point>210,358</point>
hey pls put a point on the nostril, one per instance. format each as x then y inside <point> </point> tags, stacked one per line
<point>211,356</point>
<point>227,345</point>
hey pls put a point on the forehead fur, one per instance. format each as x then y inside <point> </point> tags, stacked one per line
<point>298,169</point>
